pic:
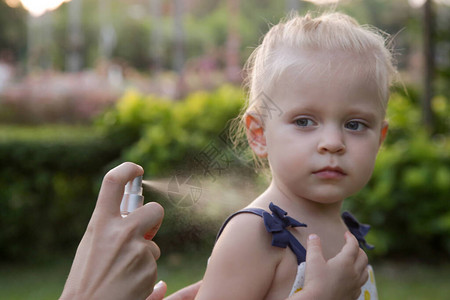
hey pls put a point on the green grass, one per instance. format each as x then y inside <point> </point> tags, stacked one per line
<point>45,280</point>
<point>179,270</point>
<point>48,133</point>
<point>413,281</point>
<point>36,281</point>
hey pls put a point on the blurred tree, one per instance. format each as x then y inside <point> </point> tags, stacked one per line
<point>40,41</point>
<point>74,59</point>
<point>429,53</point>
<point>12,32</point>
<point>167,33</point>
<point>155,47</point>
<point>233,42</point>
<point>442,52</point>
<point>108,37</point>
<point>179,40</point>
<point>178,15</point>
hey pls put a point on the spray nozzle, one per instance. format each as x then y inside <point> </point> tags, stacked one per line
<point>132,198</point>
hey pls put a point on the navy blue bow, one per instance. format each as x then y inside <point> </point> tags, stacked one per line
<point>276,224</point>
<point>357,229</point>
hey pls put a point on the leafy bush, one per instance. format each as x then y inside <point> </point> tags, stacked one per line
<point>407,199</point>
<point>166,137</point>
<point>167,134</point>
<point>49,183</point>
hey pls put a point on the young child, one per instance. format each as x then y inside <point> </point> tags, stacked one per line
<point>318,91</point>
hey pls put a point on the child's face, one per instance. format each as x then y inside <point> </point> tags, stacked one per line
<point>324,144</point>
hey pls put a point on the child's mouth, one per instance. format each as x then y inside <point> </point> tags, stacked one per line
<point>330,173</point>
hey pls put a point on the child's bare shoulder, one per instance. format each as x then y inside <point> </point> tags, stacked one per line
<point>243,262</point>
<point>246,230</point>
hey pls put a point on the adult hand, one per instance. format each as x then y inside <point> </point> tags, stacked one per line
<point>187,293</point>
<point>341,277</point>
<point>114,260</point>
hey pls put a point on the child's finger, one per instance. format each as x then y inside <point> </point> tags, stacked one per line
<point>351,247</point>
<point>364,276</point>
<point>149,218</point>
<point>159,290</point>
<point>314,250</point>
<point>361,261</point>
<point>187,293</point>
<point>113,186</point>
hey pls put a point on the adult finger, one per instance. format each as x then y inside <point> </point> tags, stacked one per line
<point>159,291</point>
<point>314,250</point>
<point>149,218</point>
<point>156,252</point>
<point>113,186</point>
<point>187,293</point>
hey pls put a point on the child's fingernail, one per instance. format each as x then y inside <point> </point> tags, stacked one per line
<point>313,237</point>
<point>159,285</point>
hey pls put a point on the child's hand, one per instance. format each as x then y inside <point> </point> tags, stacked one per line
<point>341,277</point>
<point>114,260</point>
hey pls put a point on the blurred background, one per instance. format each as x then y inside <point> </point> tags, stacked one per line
<point>86,85</point>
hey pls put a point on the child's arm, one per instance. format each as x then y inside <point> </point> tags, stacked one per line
<point>243,262</point>
<point>339,278</point>
<point>334,279</point>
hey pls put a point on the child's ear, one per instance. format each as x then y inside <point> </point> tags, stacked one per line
<point>384,130</point>
<point>255,134</point>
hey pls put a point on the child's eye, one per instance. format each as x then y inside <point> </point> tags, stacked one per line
<point>355,125</point>
<point>304,122</point>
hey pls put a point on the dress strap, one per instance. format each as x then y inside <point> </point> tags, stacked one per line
<point>255,211</point>
<point>277,224</point>
<point>358,229</point>
<point>278,221</point>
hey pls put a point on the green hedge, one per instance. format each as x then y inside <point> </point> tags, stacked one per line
<point>169,134</point>
<point>49,181</point>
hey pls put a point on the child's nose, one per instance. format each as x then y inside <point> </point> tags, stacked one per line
<point>331,141</point>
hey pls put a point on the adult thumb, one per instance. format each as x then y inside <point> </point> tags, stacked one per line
<point>159,291</point>
<point>314,250</point>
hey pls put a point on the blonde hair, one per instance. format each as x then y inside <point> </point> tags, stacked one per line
<point>330,34</point>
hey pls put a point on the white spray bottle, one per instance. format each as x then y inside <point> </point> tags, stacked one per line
<point>132,198</point>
